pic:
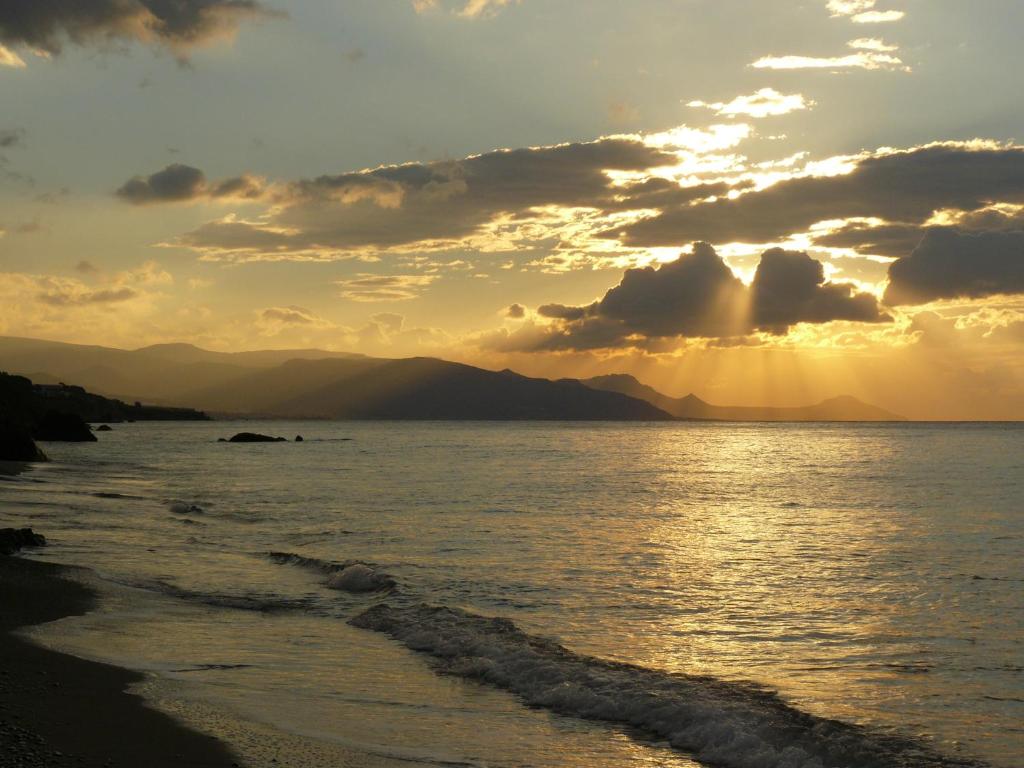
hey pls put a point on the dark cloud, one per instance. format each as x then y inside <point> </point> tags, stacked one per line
<point>695,295</point>
<point>11,137</point>
<point>900,187</point>
<point>561,311</point>
<point>515,311</point>
<point>893,240</point>
<point>439,203</point>
<point>86,267</point>
<point>789,287</point>
<point>949,264</point>
<point>174,183</point>
<point>290,315</point>
<point>48,24</point>
<point>240,187</point>
<point>698,296</point>
<point>73,298</point>
<point>179,183</point>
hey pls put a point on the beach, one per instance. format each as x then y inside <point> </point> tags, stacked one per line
<point>57,709</point>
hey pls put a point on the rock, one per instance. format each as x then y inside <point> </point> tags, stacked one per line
<point>222,440</point>
<point>253,437</point>
<point>13,539</point>
<point>64,427</point>
<point>104,428</point>
<point>184,508</point>
<point>359,577</point>
<point>298,438</point>
<point>16,444</point>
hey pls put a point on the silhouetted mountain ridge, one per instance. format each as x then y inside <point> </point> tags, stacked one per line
<point>840,408</point>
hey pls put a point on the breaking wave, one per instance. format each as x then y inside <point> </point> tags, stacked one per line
<point>349,576</point>
<point>733,725</point>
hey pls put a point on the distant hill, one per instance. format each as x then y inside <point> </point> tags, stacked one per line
<point>844,408</point>
<point>162,374</point>
<point>419,389</point>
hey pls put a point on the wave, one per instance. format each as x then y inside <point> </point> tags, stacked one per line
<point>244,602</point>
<point>349,576</point>
<point>721,723</point>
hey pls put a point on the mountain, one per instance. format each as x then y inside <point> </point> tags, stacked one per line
<point>420,389</point>
<point>843,408</point>
<point>164,373</point>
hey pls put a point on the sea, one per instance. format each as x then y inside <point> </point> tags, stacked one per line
<point>554,594</point>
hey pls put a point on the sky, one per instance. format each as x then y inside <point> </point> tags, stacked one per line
<point>758,201</point>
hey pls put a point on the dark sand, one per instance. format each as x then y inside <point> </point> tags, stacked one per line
<point>58,710</point>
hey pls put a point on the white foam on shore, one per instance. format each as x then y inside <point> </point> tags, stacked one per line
<point>720,723</point>
<point>350,576</point>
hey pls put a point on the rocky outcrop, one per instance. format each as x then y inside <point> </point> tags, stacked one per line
<point>64,427</point>
<point>14,539</point>
<point>16,444</point>
<point>255,437</point>
<point>104,428</point>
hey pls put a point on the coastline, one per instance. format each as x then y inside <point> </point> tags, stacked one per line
<point>56,709</point>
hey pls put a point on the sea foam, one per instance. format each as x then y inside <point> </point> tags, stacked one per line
<point>733,725</point>
<point>350,576</point>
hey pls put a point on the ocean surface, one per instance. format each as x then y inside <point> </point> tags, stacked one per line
<point>556,594</point>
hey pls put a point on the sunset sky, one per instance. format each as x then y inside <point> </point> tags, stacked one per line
<point>759,201</point>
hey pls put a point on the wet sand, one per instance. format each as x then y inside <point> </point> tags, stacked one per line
<point>58,710</point>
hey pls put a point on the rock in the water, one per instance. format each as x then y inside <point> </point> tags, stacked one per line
<point>184,508</point>
<point>298,438</point>
<point>16,444</point>
<point>254,437</point>
<point>359,577</point>
<point>64,427</point>
<point>104,428</point>
<point>13,539</point>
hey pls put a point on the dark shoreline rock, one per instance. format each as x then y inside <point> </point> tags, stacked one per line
<point>104,428</point>
<point>255,437</point>
<point>16,444</point>
<point>63,427</point>
<point>14,539</point>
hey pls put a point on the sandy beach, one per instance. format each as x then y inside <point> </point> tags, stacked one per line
<point>59,710</point>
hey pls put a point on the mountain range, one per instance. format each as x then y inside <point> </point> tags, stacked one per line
<point>310,383</point>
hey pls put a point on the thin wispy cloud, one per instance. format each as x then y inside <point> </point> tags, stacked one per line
<point>468,9</point>
<point>863,12</point>
<point>368,288</point>
<point>869,60</point>
<point>767,102</point>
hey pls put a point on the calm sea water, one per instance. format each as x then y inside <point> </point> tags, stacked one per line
<point>872,574</point>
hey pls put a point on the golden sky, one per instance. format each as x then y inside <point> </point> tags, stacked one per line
<point>760,202</point>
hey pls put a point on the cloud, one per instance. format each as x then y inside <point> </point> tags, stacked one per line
<point>870,60</point>
<point>515,311</point>
<point>468,9</point>
<point>389,321</point>
<point>11,137</point>
<point>86,267</point>
<point>9,58</point>
<point>290,315</point>
<point>182,183</point>
<point>767,102</point>
<point>698,296</point>
<point>878,17</point>
<point>949,265</point>
<point>789,287</point>
<point>862,11</point>
<point>72,295</point>
<point>906,186</point>
<point>429,206</point>
<point>177,24</point>
<point>872,44</point>
<point>367,287</point>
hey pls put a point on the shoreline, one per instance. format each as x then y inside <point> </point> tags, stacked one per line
<point>57,709</point>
